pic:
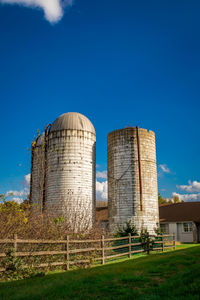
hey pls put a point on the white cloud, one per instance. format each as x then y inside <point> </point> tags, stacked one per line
<point>164,168</point>
<point>102,174</point>
<point>17,199</point>
<point>192,187</point>
<point>19,196</point>
<point>15,193</point>
<point>188,197</point>
<point>53,9</point>
<point>102,190</point>
<point>27,179</point>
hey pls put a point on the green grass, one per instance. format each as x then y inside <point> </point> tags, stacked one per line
<point>186,245</point>
<point>171,275</point>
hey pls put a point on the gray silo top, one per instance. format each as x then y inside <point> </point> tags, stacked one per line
<point>72,120</point>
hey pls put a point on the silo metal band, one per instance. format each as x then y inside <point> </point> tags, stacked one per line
<point>45,166</point>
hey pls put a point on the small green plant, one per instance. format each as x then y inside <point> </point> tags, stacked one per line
<point>125,230</point>
<point>144,238</point>
<point>15,267</point>
<point>59,220</point>
<point>158,230</point>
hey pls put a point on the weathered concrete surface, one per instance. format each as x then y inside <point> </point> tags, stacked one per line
<point>123,179</point>
<point>65,169</point>
<point>37,172</point>
<point>71,177</point>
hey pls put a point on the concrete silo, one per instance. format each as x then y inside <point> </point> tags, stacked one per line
<point>71,170</point>
<point>37,172</point>
<point>132,179</point>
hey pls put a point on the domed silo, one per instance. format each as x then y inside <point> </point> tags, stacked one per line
<point>37,172</point>
<point>132,179</point>
<point>71,170</point>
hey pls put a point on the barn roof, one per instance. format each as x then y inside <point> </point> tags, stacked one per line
<point>180,212</point>
<point>102,213</point>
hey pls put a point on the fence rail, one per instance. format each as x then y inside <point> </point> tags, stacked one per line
<point>95,250</point>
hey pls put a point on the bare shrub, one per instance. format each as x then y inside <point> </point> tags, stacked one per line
<point>26,223</point>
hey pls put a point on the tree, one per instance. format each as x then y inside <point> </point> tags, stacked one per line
<point>176,199</point>
<point>161,200</point>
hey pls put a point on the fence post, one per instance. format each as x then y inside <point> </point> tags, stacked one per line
<point>174,241</point>
<point>129,245</point>
<point>67,255</point>
<point>163,245</point>
<point>102,247</point>
<point>148,244</point>
<point>15,243</point>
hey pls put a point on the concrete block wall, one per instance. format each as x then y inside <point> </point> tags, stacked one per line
<point>123,179</point>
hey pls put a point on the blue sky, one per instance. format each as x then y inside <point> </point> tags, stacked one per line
<point>119,63</point>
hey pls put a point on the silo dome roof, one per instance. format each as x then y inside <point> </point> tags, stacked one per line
<point>72,120</point>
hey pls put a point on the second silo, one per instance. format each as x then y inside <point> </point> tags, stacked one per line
<point>132,179</point>
<point>37,181</point>
<point>71,170</point>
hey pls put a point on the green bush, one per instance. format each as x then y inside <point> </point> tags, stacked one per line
<point>15,267</point>
<point>126,230</point>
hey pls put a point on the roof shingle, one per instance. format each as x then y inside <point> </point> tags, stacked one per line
<point>180,212</point>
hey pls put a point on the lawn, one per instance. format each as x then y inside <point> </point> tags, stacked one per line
<point>171,275</point>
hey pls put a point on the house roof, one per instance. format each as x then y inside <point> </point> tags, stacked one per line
<point>102,213</point>
<point>180,212</point>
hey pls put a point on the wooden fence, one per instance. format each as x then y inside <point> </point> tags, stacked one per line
<point>76,252</point>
